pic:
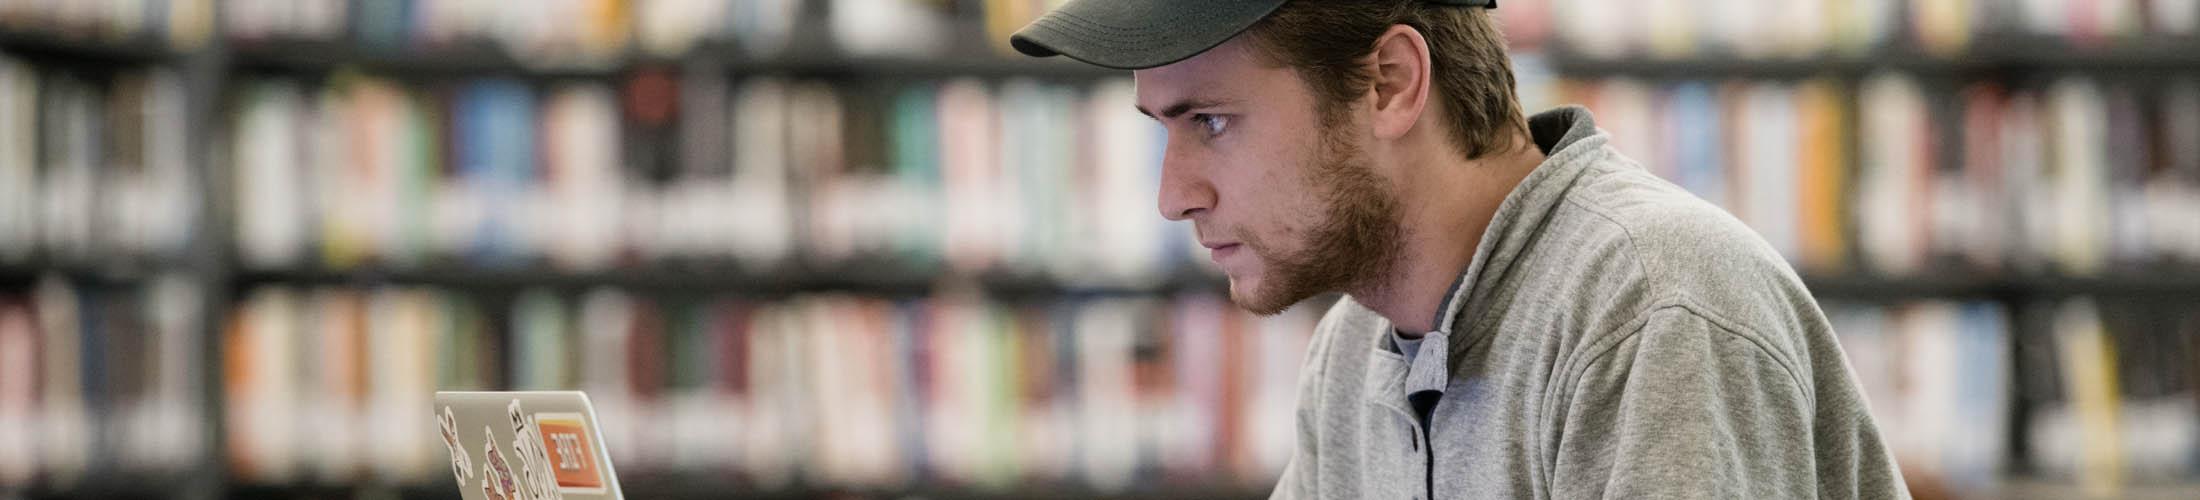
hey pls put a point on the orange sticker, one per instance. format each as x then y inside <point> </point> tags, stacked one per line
<point>571,454</point>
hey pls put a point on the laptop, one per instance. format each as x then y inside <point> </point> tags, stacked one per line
<point>525,446</point>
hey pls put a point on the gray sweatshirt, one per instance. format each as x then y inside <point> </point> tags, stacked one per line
<point>1613,337</point>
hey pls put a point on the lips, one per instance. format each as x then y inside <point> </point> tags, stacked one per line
<point>1219,251</point>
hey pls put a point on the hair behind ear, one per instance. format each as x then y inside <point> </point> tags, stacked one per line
<point>1326,41</point>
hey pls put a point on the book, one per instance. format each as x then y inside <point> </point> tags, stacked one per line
<point>2088,367</point>
<point>1692,130</point>
<point>20,381</point>
<point>1824,167</point>
<point>1765,186</point>
<point>969,173</point>
<point>763,28</point>
<point>1894,174</point>
<point>174,24</point>
<point>273,216</point>
<point>2172,17</point>
<point>2077,183</point>
<point>493,147</point>
<point>1985,241</point>
<point>260,385</point>
<point>667,28</point>
<point>581,225</point>
<point>1942,27</point>
<point>762,174</point>
<point>904,28</point>
<point>19,205</point>
<point>2174,186</point>
<point>2129,158</point>
<point>334,350</point>
<point>1105,334</point>
<point>403,349</point>
<point>70,147</point>
<point>167,433</point>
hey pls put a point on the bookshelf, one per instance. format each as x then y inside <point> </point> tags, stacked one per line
<point>871,278</point>
<point>278,56</point>
<point>92,50</point>
<point>456,60</point>
<point>2033,323</point>
<point>898,279</point>
<point>1990,56</point>
<point>214,69</point>
<point>2000,287</point>
<point>706,489</point>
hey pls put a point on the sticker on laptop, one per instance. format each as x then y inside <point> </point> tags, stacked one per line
<point>569,455</point>
<point>534,482</point>
<point>462,464</point>
<point>497,482</point>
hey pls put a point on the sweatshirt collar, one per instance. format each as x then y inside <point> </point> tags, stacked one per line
<point>1569,139</point>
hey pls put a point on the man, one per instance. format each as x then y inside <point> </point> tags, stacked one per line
<point>1529,314</point>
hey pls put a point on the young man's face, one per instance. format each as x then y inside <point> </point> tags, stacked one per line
<point>1285,200</point>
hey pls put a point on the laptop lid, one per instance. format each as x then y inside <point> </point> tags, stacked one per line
<point>525,446</point>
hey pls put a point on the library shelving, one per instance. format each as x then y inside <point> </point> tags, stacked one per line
<point>2027,304</point>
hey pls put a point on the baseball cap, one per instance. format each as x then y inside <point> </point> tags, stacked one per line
<point>1140,34</point>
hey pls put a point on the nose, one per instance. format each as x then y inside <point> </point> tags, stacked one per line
<point>1185,190</point>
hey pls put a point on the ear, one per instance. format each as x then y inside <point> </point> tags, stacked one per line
<point>1402,78</point>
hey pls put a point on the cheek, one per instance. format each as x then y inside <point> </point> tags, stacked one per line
<point>1272,206</point>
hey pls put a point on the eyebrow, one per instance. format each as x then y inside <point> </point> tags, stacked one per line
<point>1181,107</point>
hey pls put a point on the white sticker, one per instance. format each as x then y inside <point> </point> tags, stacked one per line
<point>496,480</point>
<point>537,481</point>
<point>462,464</point>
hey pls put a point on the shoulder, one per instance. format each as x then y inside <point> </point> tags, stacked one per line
<point>1680,246</point>
<point>1674,234</point>
<point>1682,254</point>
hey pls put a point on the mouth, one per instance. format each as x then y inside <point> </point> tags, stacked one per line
<point>1219,251</point>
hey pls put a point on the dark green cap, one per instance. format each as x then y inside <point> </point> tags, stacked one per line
<point>1140,34</point>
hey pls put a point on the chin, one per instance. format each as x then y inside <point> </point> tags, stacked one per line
<point>1238,287</point>
<point>1248,294</point>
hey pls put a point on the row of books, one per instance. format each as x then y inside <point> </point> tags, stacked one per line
<point>543,31</point>
<point>2077,177</point>
<point>593,30</point>
<point>93,166</point>
<point>100,382</point>
<point>759,28</point>
<point>2107,393</point>
<point>178,24</point>
<point>1938,378</point>
<point>2091,173</point>
<point>1020,175</point>
<point>2112,393</point>
<point>327,385</point>
<point>600,30</point>
<point>671,28</point>
<point>1800,28</point>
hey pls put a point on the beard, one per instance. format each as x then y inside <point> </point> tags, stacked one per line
<point>1354,240</point>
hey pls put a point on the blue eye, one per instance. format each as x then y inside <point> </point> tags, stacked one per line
<point>1212,125</point>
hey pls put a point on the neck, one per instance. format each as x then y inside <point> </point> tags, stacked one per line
<point>1445,207</point>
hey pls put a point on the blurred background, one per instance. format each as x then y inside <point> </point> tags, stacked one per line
<point>852,249</point>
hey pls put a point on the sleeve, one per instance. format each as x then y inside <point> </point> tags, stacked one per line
<point>1686,407</point>
<point>1301,478</point>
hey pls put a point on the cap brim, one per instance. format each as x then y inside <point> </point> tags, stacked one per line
<point>1138,34</point>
